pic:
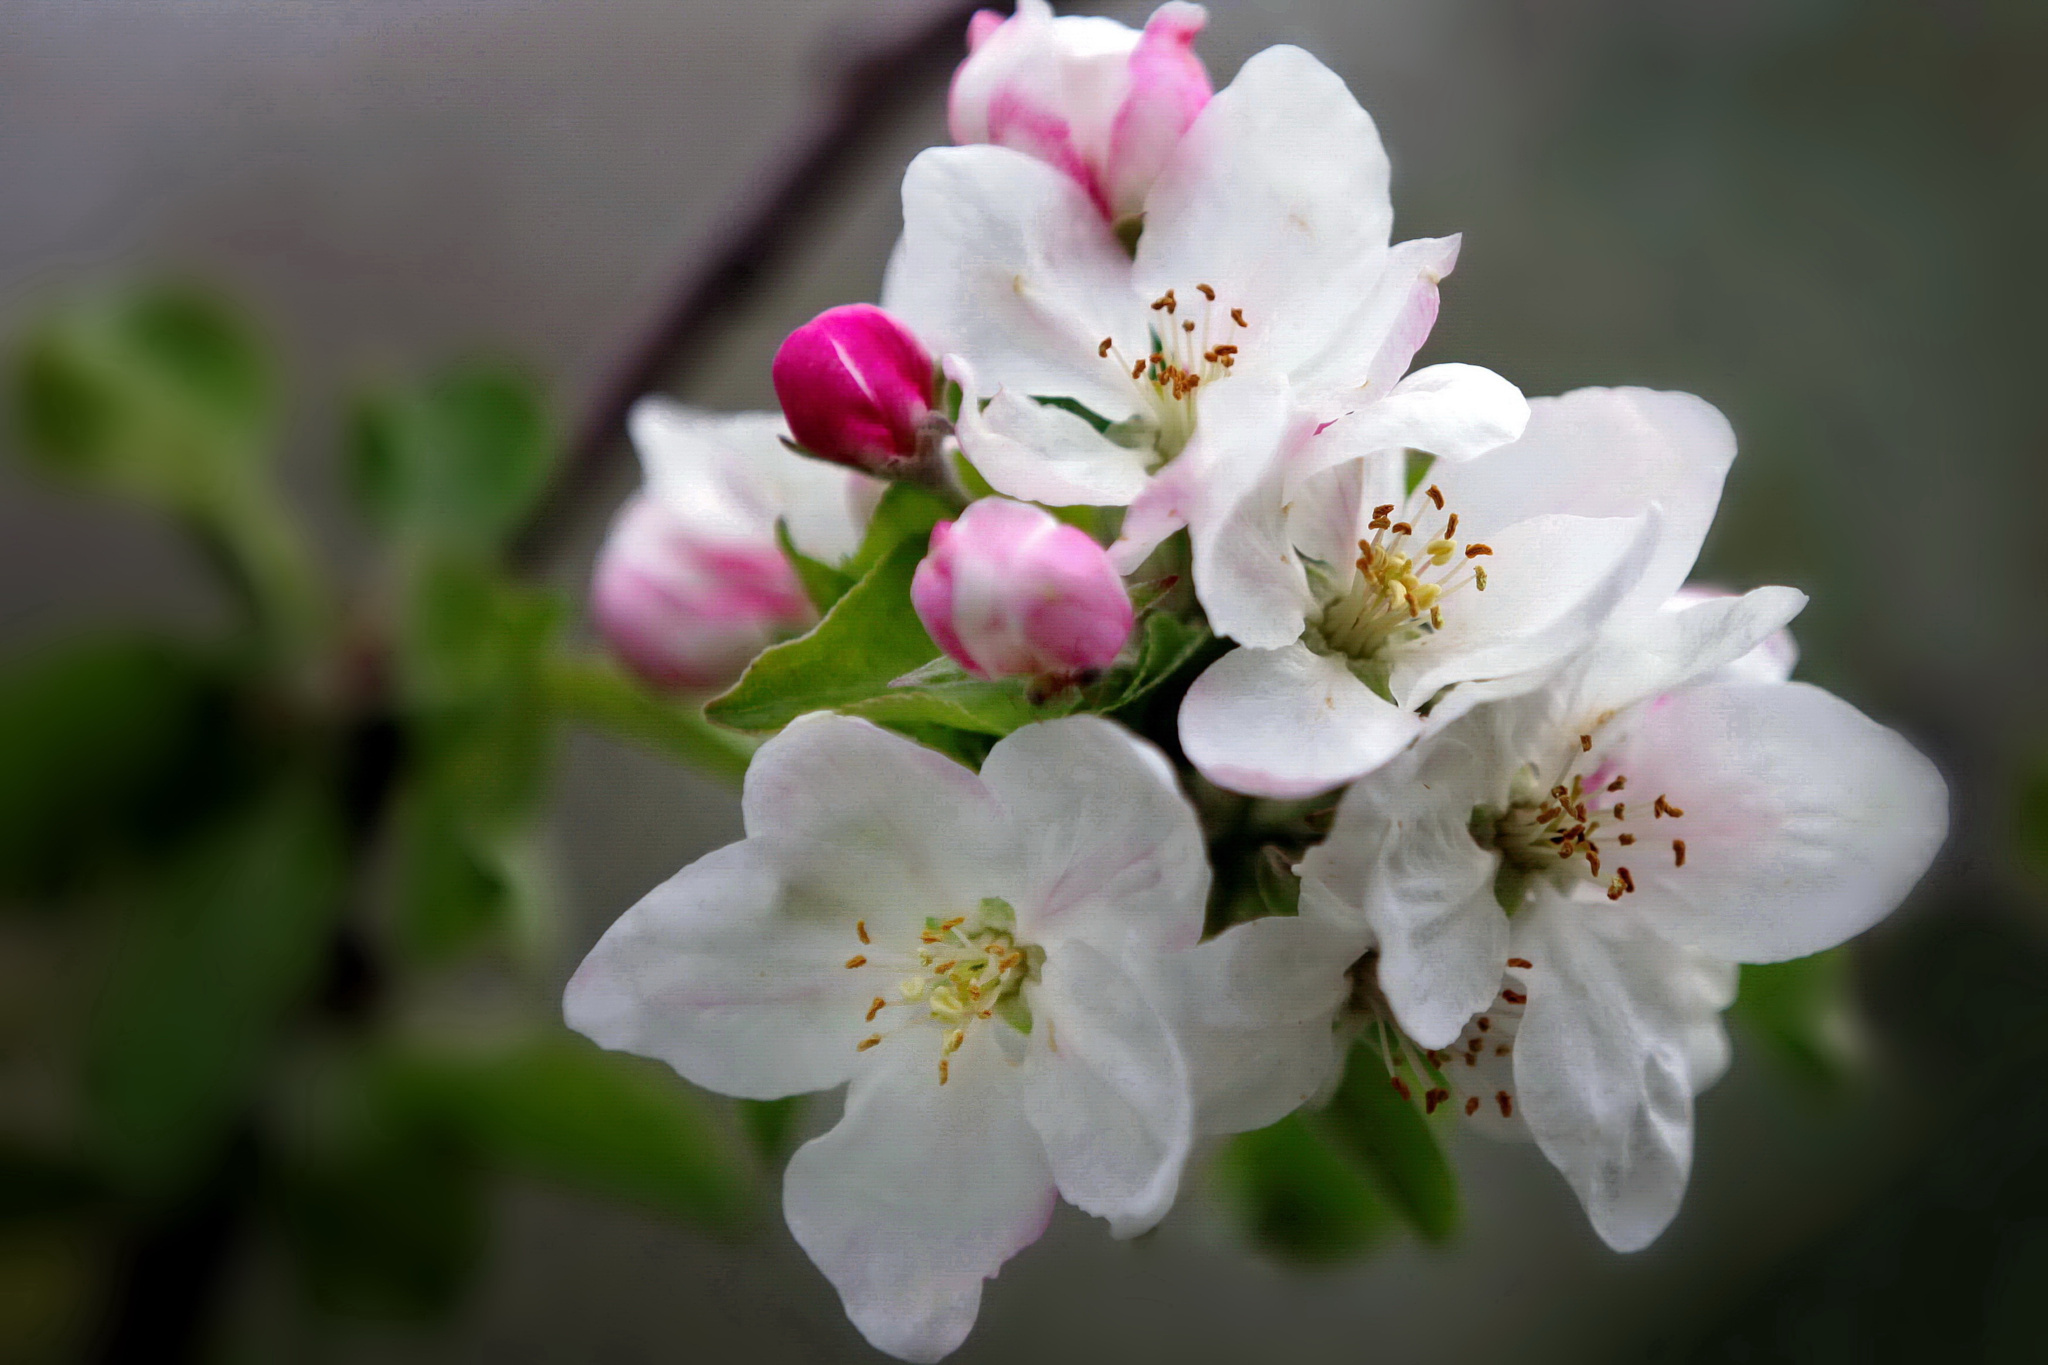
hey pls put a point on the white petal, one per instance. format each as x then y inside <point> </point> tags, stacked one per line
<point>1772,661</point>
<point>1552,582</point>
<point>1006,262</point>
<point>1030,450</point>
<point>1399,312</point>
<point>1107,1091</point>
<point>1805,821</point>
<point>921,1192</point>
<point>1276,197</point>
<point>1640,656</point>
<point>1287,722</point>
<point>1255,1011</point>
<point>721,974</point>
<point>1604,1059</point>
<point>1248,578</point>
<point>1107,846</point>
<point>1454,412</point>
<point>1401,855</point>
<point>1608,453</point>
<point>867,813</point>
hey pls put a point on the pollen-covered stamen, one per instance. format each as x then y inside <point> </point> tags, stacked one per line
<point>1554,832</point>
<point>1181,355</point>
<point>1476,1070</point>
<point>960,971</point>
<point>1399,582</point>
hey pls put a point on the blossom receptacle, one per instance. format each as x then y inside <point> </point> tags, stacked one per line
<point>1104,103</point>
<point>1010,591</point>
<point>857,388</point>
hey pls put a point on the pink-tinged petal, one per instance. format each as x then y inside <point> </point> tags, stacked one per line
<point>1287,722</point>
<point>1168,87</point>
<point>1805,822</point>
<point>1608,453</point>
<point>1014,121</point>
<point>1109,849</point>
<point>1402,857</point>
<point>981,26</point>
<point>1106,1089</point>
<point>1605,1058</point>
<point>921,1192</point>
<point>1276,197</point>
<point>1008,590</point>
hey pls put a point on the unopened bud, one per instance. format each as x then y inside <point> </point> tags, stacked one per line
<point>856,387</point>
<point>1010,591</point>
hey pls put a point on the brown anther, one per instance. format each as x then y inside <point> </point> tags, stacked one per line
<point>1475,549</point>
<point>945,967</point>
<point>1159,303</point>
<point>860,927</point>
<point>1400,1087</point>
<point>1451,526</point>
<point>1376,524</point>
<point>1626,839</point>
<point>1663,807</point>
<point>1225,348</point>
<point>1520,964</point>
<point>1585,744</point>
<point>1503,1050</point>
<point>1593,861</point>
<point>1434,1098</point>
<point>1626,880</point>
<point>857,960</point>
<point>1237,316</point>
<point>1565,848</point>
<point>876,1008</point>
<point>1172,303</point>
<point>1475,1045</point>
<point>1507,1105</point>
<point>1402,528</point>
<point>1614,889</point>
<point>1435,495</point>
<point>1384,509</point>
<point>1549,813</point>
<point>1618,783</point>
<point>1188,326</point>
<point>870,1041</point>
<point>927,937</point>
<point>1678,852</point>
<point>1620,808</point>
<point>1137,369</point>
<point>947,926</point>
<point>1103,349</point>
<point>1206,292</point>
<point>944,1069</point>
<point>1514,997</point>
<point>1471,1106</point>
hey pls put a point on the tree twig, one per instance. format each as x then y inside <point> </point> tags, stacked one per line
<point>874,86</point>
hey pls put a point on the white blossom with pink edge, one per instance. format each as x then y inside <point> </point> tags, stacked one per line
<point>1559,884</point>
<point>1264,265</point>
<point>1474,586</point>
<point>1010,591</point>
<point>970,953</point>
<point>691,584</point>
<point>1103,103</point>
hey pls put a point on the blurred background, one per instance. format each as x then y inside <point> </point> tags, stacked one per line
<point>1825,216</point>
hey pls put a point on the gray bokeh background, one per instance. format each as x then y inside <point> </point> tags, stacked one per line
<point>1825,216</point>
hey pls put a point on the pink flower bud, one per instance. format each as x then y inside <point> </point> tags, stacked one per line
<point>685,612</point>
<point>1009,591</point>
<point>1105,103</point>
<point>856,387</point>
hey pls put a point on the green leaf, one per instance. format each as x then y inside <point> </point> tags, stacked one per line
<point>36,1185</point>
<point>2030,816</point>
<point>822,583</point>
<point>160,393</point>
<point>1168,645</point>
<point>560,1109</point>
<point>459,461</point>
<point>1392,1145</point>
<point>906,514</point>
<point>1297,1197</point>
<point>112,751</point>
<point>771,1125</point>
<point>1803,1011</point>
<point>211,962</point>
<point>1419,464</point>
<point>598,693</point>
<point>870,637</point>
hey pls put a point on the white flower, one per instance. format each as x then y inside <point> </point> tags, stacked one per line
<point>966,951</point>
<point>1482,582</point>
<point>1263,274</point>
<point>1607,846</point>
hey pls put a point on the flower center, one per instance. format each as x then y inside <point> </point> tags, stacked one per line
<point>1184,354</point>
<point>1552,832</point>
<point>960,972</point>
<point>1473,1072</point>
<point>1398,585</point>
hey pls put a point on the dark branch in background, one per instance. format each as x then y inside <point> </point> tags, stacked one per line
<point>874,86</point>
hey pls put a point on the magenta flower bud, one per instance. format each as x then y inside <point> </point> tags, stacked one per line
<point>856,387</point>
<point>1105,103</point>
<point>1009,591</point>
<point>686,612</point>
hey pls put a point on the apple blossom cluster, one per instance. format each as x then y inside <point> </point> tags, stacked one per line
<point>1126,515</point>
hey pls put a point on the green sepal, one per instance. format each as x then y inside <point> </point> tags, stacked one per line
<point>822,583</point>
<point>1392,1145</point>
